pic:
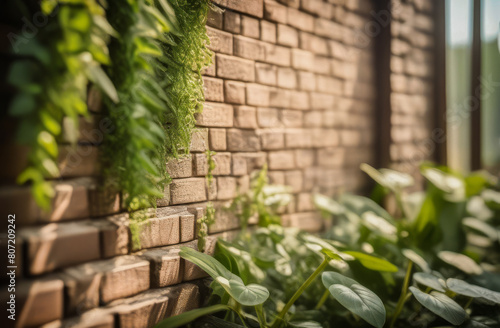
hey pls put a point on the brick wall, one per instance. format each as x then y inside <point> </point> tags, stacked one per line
<point>293,86</point>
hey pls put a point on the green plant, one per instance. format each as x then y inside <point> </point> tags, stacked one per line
<point>50,72</point>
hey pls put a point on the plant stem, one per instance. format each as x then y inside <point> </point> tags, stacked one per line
<point>279,319</point>
<point>469,302</point>
<point>322,300</point>
<point>402,298</point>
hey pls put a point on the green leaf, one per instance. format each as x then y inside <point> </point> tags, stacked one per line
<point>97,75</point>
<point>22,104</point>
<point>463,288</point>
<point>361,204</point>
<point>388,178</point>
<point>441,305</point>
<point>430,280</point>
<point>482,227</point>
<point>304,324</point>
<point>327,204</point>
<point>372,262</point>
<point>48,142</point>
<point>451,185</point>
<point>189,316</point>
<point>417,259</point>
<point>461,262</point>
<point>356,298</point>
<point>249,295</point>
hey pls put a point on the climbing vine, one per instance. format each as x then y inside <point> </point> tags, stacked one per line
<point>53,58</point>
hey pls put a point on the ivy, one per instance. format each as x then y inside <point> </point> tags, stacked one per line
<point>50,70</point>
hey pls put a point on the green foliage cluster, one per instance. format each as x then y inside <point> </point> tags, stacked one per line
<point>372,267</point>
<point>50,71</point>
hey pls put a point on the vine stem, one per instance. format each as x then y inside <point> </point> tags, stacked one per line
<point>322,300</point>
<point>402,298</point>
<point>280,318</point>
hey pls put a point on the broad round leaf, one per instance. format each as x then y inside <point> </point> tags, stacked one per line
<point>461,262</point>
<point>379,225</point>
<point>480,322</point>
<point>482,227</point>
<point>372,262</point>
<point>327,204</point>
<point>453,186</point>
<point>246,295</point>
<point>430,280</point>
<point>356,298</point>
<point>464,288</point>
<point>388,178</point>
<point>441,305</point>
<point>417,259</point>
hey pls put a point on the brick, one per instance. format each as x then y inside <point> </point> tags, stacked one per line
<point>78,161</point>
<point>305,202</point>
<point>58,245</point>
<point>294,180</point>
<point>226,187</point>
<point>217,139</point>
<point>298,139</point>
<point>287,78</point>
<point>320,101</point>
<point>254,160</point>
<point>291,118</point>
<point>267,31</point>
<point>224,219</point>
<point>307,221</point>
<point>300,20</point>
<point>211,190</point>
<point>303,60</point>
<point>160,231</point>
<point>268,117</point>
<point>251,7</point>
<point>313,43</point>
<point>114,234</point>
<point>215,115</point>
<point>19,200</point>
<point>275,12</point>
<point>166,269</point>
<point>276,177</point>
<point>313,119</point>
<point>265,74</point>
<point>234,92</point>
<point>321,65</point>
<point>188,190</point>
<point>287,36</point>
<point>300,100</point>
<point>179,167</point>
<point>242,140</point>
<point>329,85</point>
<point>235,68</point>
<point>220,41</point>
<point>327,28</point>
<point>257,95</point>
<point>281,160</point>
<point>304,157</point>
<point>102,201</point>
<point>239,165</point>
<point>214,19</point>
<point>92,318</point>
<point>245,117</point>
<point>37,302</point>
<point>277,55</point>
<point>307,81</point>
<point>213,89</point>
<point>250,27</point>
<point>325,137</point>
<point>249,48</point>
<point>186,226</point>
<point>199,140</point>
<point>232,22</point>
<point>290,3</point>
<point>279,98</point>
<point>331,157</point>
<point>222,164</point>
<point>272,140</point>
<point>210,70</point>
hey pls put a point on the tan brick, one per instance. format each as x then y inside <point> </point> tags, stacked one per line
<point>211,190</point>
<point>281,160</point>
<point>287,36</point>
<point>305,202</point>
<point>254,160</point>
<point>321,65</point>
<point>250,27</point>
<point>78,161</point>
<point>103,201</point>
<point>251,7</point>
<point>325,137</point>
<point>287,78</point>
<point>294,180</point>
<point>312,43</point>
<point>232,22</point>
<point>162,230</point>
<point>291,118</point>
<point>226,187</point>
<point>331,157</point>
<point>272,140</point>
<point>114,234</point>
<point>267,31</point>
<point>188,190</point>
<point>327,28</point>
<point>320,101</point>
<point>200,165</point>
<point>215,115</point>
<point>242,140</point>
<point>265,74</point>
<point>215,19</point>
<point>179,167</point>
<point>234,92</point>
<point>307,81</point>
<point>55,246</point>
<point>298,139</point>
<point>257,95</point>
<point>235,68</point>
<point>199,140</point>
<point>249,48</point>
<point>239,165</point>
<point>302,59</point>
<point>280,98</point>
<point>222,164</point>
<point>313,119</point>
<point>220,41</point>
<point>277,55</point>
<point>329,85</point>
<point>245,117</point>
<point>213,88</point>
<point>300,20</point>
<point>93,318</point>
<point>299,100</point>
<point>304,157</point>
<point>166,269</point>
<point>224,219</point>
<point>37,302</point>
<point>268,117</point>
<point>276,177</point>
<point>217,139</point>
<point>308,221</point>
<point>275,12</point>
